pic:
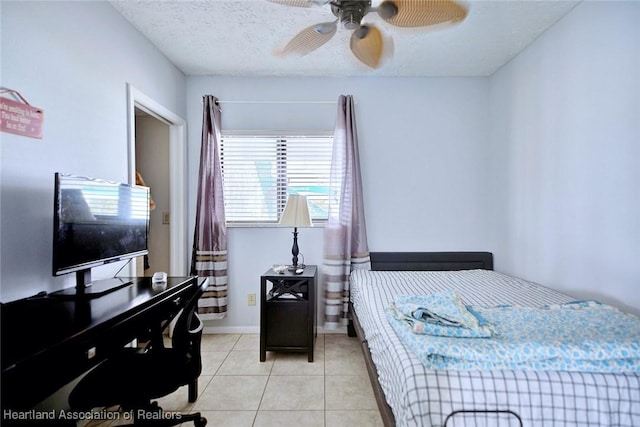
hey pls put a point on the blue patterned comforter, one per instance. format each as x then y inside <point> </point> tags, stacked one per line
<point>584,336</point>
<point>443,314</point>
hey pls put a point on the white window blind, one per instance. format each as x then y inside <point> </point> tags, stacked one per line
<point>105,200</point>
<point>260,171</point>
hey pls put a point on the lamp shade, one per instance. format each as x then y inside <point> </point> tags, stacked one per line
<point>296,212</point>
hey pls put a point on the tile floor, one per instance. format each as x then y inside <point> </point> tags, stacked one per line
<point>236,389</point>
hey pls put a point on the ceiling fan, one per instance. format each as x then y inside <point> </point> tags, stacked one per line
<point>367,42</point>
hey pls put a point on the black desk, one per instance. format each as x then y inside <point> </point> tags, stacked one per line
<point>47,341</point>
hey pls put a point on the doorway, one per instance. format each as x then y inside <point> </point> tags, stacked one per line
<point>157,135</point>
<point>152,170</point>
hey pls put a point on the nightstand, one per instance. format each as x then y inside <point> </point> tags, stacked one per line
<point>288,311</point>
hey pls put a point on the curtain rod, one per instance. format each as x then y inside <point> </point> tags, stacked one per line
<point>275,102</point>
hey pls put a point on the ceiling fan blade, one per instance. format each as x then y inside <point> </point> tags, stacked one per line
<point>419,13</point>
<point>310,39</point>
<point>300,3</point>
<point>367,45</point>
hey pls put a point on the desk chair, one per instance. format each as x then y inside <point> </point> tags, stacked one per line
<point>132,379</point>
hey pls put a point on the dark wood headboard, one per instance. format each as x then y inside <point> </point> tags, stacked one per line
<point>431,261</point>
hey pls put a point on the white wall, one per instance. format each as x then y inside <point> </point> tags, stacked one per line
<point>537,163</point>
<point>565,123</point>
<point>423,146</point>
<point>73,60</point>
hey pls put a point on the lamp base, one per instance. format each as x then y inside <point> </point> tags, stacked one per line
<point>294,251</point>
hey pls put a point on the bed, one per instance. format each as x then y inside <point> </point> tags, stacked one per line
<point>410,394</point>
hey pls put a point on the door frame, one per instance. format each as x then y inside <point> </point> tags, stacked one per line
<point>178,253</point>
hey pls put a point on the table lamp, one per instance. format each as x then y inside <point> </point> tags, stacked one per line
<point>296,214</point>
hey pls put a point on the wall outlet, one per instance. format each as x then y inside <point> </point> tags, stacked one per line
<point>165,217</point>
<point>251,299</point>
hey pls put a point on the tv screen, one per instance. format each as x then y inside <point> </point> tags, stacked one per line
<point>96,222</point>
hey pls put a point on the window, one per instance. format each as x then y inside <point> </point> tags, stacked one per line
<point>261,170</point>
<point>108,202</point>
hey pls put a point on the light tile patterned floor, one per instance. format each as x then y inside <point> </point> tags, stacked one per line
<point>237,390</point>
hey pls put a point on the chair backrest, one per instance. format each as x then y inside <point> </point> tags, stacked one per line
<point>187,333</point>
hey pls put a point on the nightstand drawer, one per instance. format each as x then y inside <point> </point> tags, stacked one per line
<point>287,324</point>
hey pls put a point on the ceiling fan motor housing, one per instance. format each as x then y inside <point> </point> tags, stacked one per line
<point>350,13</point>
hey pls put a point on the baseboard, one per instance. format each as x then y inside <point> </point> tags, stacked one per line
<point>256,330</point>
<point>231,330</point>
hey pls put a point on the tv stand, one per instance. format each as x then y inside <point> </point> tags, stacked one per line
<point>93,290</point>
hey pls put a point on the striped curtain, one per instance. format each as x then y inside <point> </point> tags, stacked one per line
<point>209,257</point>
<point>345,235</point>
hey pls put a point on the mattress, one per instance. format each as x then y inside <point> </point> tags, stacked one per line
<point>425,397</point>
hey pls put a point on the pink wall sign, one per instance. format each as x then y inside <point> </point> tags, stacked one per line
<point>20,118</point>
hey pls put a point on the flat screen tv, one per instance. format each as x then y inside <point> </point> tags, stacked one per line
<point>96,222</point>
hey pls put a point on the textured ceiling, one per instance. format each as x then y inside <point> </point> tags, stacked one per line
<point>240,38</point>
